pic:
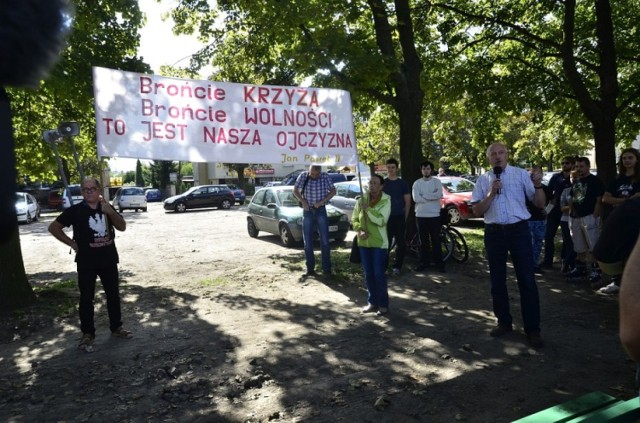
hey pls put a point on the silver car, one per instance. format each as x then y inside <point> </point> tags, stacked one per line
<point>346,195</point>
<point>130,198</point>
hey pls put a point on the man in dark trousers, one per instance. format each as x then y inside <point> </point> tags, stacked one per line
<point>93,241</point>
<point>558,183</point>
<point>500,195</point>
<point>400,193</point>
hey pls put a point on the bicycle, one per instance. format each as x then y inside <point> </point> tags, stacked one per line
<point>452,243</point>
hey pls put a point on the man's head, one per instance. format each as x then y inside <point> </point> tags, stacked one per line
<point>583,166</point>
<point>315,171</point>
<point>441,172</point>
<point>90,189</point>
<point>497,155</point>
<point>567,163</point>
<point>426,168</point>
<point>392,167</point>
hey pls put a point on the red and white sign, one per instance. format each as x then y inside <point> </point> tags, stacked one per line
<point>160,118</point>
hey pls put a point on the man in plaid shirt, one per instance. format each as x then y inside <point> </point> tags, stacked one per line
<point>314,189</point>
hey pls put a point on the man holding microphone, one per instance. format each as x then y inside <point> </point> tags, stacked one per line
<point>500,195</point>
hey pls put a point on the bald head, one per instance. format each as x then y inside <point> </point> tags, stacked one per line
<point>497,155</point>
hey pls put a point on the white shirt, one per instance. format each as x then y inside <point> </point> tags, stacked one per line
<point>509,206</point>
<point>427,195</point>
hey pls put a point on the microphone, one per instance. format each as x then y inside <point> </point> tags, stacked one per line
<point>497,171</point>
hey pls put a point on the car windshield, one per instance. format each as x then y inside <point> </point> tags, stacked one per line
<point>20,199</point>
<point>287,199</point>
<point>458,185</point>
<point>133,191</point>
<point>75,190</point>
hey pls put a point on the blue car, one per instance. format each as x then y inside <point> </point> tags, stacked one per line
<point>153,195</point>
<point>237,193</point>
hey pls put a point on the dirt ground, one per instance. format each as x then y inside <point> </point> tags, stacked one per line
<point>226,330</point>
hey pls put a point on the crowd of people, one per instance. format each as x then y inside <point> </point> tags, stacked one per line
<point>521,217</point>
<point>577,202</point>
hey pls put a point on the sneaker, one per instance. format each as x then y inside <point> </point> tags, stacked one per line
<point>595,276</point>
<point>395,271</point>
<point>576,273</point>
<point>370,308</point>
<point>500,330</point>
<point>309,273</point>
<point>565,268</point>
<point>122,333</point>
<point>86,343</point>
<point>382,311</point>
<point>612,288</point>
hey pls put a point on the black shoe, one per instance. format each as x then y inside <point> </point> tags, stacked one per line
<point>546,265</point>
<point>538,270</point>
<point>309,273</point>
<point>535,340</point>
<point>565,268</point>
<point>500,330</point>
<point>421,267</point>
<point>576,273</point>
<point>382,311</point>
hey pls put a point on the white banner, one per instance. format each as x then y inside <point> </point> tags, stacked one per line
<point>153,117</point>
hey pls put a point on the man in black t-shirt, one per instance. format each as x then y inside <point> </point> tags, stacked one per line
<point>400,193</point>
<point>586,201</point>
<point>558,183</point>
<point>93,222</point>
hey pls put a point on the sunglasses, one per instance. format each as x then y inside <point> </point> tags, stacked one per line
<point>89,190</point>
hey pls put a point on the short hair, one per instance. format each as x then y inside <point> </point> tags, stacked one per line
<point>393,162</point>
<point>315,167</point>
<point>375,175</point>
<point>427,163</point>
<point>91,179</point>
<point>570,159</point>
<point>584,160</point>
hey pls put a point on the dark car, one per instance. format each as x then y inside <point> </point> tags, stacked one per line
<point>200,197</point>
<point>275,210</point>
<point>153,194</point>
<point>335,177</point>
<point>237,193</point>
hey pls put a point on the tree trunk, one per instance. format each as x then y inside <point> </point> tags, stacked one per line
<point>15,290</point>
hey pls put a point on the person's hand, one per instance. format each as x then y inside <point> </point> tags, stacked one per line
<point>536,178</point>
<point>362,234</point>
<point>496,186</point>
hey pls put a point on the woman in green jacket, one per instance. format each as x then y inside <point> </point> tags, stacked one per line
<point>370,217</point>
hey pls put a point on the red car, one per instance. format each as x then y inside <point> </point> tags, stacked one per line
<point>457,195</point>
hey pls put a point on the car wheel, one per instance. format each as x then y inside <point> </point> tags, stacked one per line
<point>29,219</point>
<point>225,204</point>
<point>144,210</point>
<point>285,236</point>
<point>120,209</point>
<point>180,207</point>
<point>251,228</point>
<point>341,238</point>
<point>454,215</point>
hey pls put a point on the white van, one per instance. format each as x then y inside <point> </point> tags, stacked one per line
<point>76,196</point>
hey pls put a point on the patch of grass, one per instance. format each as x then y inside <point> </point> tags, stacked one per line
<point>475,241</point>
<point>56,286</point>
<point>213,282</point>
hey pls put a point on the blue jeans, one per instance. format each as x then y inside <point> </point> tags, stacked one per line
<point>537,229</point>
<point>499,240</point>
<point>312,219</point>
<point>374,261</point>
